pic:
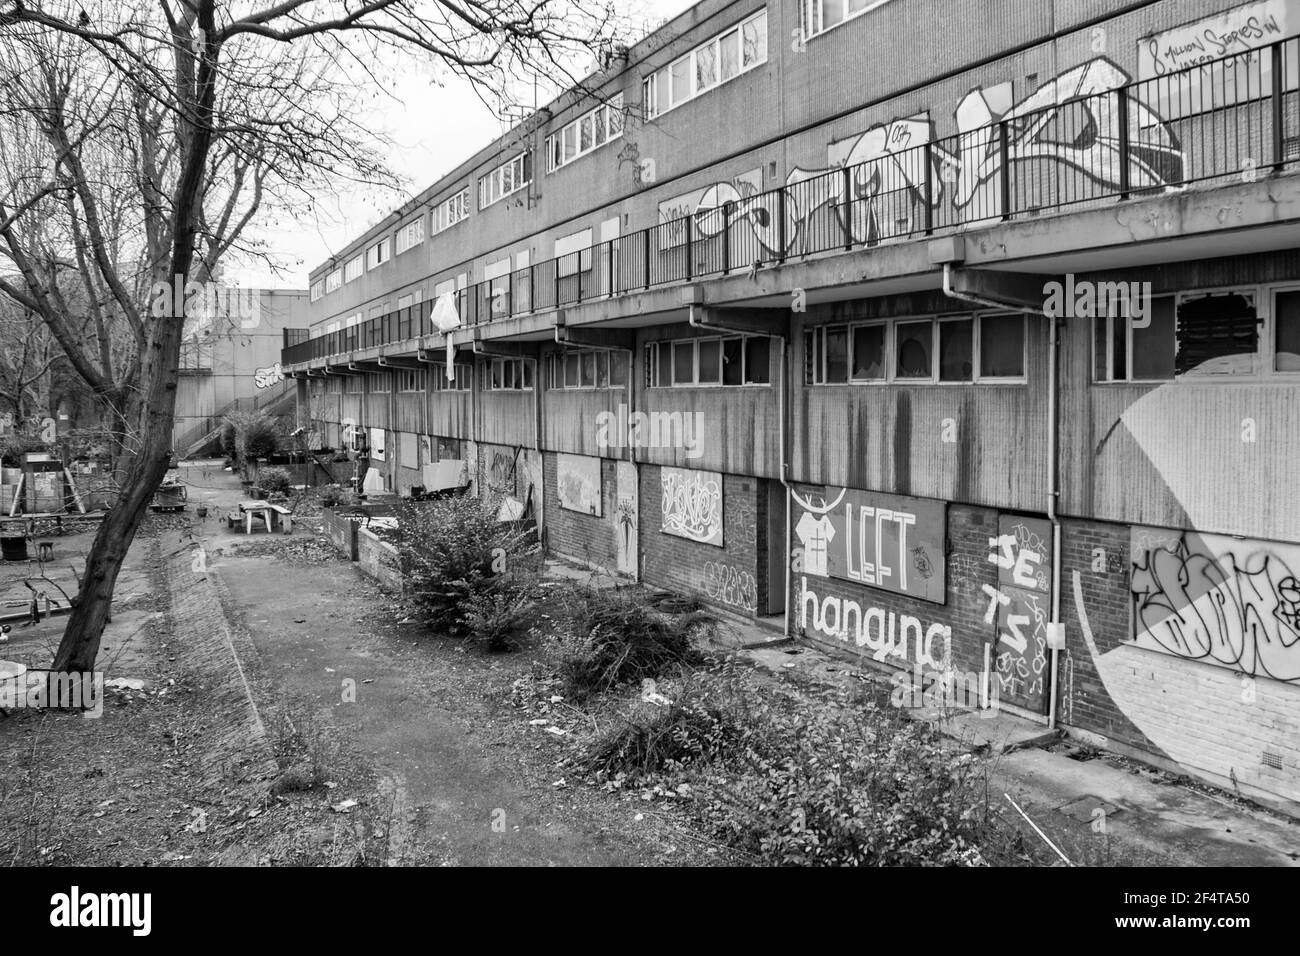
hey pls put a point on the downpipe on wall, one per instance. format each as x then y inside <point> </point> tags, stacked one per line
<point>1053,477</point>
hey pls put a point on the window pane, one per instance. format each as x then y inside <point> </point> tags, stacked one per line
<point>683,363</point>
<point>1153,347</point>
<point>570,142</point>
<point>681,71</point>
<point>857,6</point>
<point>570,369</point>
<point>955,351</point>
<point>869,353</point>
<point>602,370</point>
<point>733,360</point>
<point>710,361</point>
<point>706,67</point>
<point>1217,334</point>
<point>832,12</point>
<point>1002,346</point>
<point>599,120</point>
<point>1100,325</point>
<point>665,363</point>
<point>912,344</point>
<point>837,355</point>
<point>758,368</point>
<point>618,368</point>
<point>588,365</point>
<point>663,98</point>
<point>1286,336</point>
<point>729,48</point>
<point>584,143</point>
<point>755,40</point>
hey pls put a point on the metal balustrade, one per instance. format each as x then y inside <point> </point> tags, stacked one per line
<point>1232,119</point>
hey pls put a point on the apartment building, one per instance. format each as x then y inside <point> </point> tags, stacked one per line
<point>961,336</point>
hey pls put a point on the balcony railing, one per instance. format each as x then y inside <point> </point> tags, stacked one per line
<point>1085,137</point>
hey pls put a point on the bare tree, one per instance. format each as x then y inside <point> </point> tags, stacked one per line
<point>142,138</point>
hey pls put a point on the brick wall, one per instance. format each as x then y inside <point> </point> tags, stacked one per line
<point>961,615</point>
<point>579,536</point>
<point>1210,721</point>
<point>728,577</point>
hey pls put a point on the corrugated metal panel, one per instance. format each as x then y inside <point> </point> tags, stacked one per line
<point>572,421</point>
<point>449,414</point>
<point>408,408</point>
<point>506,418</point>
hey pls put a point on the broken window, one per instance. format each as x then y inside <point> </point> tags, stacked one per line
<point>1217,335</point>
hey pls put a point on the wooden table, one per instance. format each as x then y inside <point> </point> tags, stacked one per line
<point>252,509</point>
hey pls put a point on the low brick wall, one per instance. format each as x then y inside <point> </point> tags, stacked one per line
<point>379,559</point>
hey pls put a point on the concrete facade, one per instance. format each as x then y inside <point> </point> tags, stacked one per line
<point>815,345</point>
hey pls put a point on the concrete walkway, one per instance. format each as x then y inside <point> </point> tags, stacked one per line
<point>447,774</point>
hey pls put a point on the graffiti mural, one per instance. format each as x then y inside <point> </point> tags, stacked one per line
<point>1219,600</point>
<point>1068,124</point>
<point>706,206</point>
<point>1021,607</point>
<point>501,473</point>
<point>885,541</point>
<point>625,513</point>
<point>883,634</point>
<point>578,480</point>
<point>692,505</point>
<point>731,586</point>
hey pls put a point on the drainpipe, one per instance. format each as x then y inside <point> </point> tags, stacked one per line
<point>1053,476</point>
<point>783,412</point>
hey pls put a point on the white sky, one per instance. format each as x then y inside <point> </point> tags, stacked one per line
<point>411,113</point>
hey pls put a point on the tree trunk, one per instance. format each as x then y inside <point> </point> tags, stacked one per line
<point>153,412</point>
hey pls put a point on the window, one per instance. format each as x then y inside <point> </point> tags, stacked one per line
<point>334,280</point>
<point>450,211</point>
<point>951,349</point>
<point>818,16</point>
<point>574,253</point>
<point>957,350</point>
<point>1230,334</point>
<point>510,374</point>
<point>1217,334</point>
<point>710,64</point>
<point>379,253</point>
<point>355,385</point>
<point>464,375</point>
<point>869,353</point>
<point>410,235</point>
<point>914,350</point>
<point>334,384</point>
<point>1286,331</point>
<point>379,383</point>
<point>317,289</point>
<point>587,133</point>
<point>509,177</point>
<point>353,269</point>
<point>730,360</point>
<point>410,379</point>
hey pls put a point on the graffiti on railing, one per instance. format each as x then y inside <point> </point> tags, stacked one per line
<point>1069,121</point>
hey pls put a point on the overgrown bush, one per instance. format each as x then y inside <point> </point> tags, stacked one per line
<point>614,637</point>
<point>275,480</point>
<point>496,614</point>
<point>843,782</point>
<point>261,440</point>
<point>330,496</point>
<point>451,550</point>
<point>695,727</point>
